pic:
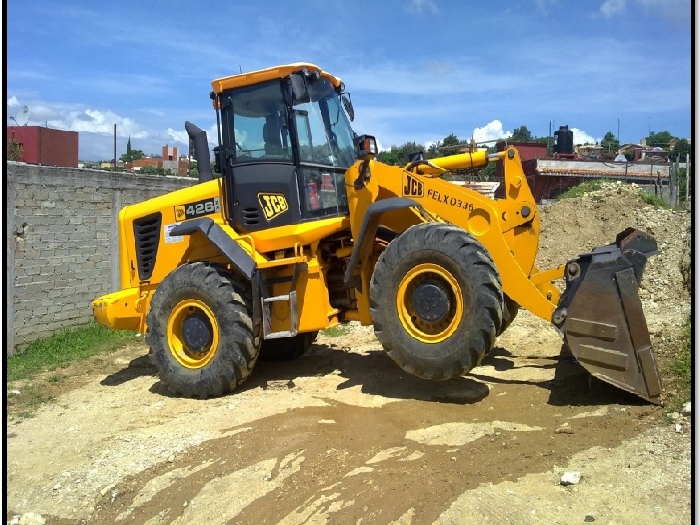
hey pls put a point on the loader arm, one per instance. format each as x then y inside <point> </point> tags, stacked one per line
<point>509,228</point>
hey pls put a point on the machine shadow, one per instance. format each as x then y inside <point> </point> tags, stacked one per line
<point>572,385</point>
<point>138,367</point>
<point>374,372</point>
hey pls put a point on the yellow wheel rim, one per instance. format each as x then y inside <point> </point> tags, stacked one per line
<point>425,330</point>
<point>186,356</point>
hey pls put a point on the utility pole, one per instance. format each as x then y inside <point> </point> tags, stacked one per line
<point>114,166</point>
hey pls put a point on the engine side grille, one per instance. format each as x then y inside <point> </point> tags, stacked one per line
<point>251,216</point>
<point>147,235</point>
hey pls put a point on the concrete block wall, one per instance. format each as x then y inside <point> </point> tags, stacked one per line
<point>62,245</point>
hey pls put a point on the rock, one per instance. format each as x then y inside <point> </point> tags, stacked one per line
<point>686,409</point>
<point>267,477</point>
<point>679,428</point>
<point>589,517</point>
<point>31,518</point>
<point>564,429</point>
<point>570,478</point>
<point>14,392</point>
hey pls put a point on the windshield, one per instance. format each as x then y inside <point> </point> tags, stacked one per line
<point>324,132</point>
<point>257,125</point>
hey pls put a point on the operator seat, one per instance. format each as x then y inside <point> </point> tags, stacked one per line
<point>272,136</point>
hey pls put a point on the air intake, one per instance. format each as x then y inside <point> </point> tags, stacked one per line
<point>147,236</point>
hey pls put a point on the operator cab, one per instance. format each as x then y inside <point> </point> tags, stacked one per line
<point>285,144</point>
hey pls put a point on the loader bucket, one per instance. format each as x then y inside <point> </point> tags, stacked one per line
<point>601,317</point>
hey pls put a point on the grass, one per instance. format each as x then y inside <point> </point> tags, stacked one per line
<point>583,188</point>
<point>62,348</point>
<point>336,331</point>
<point>676,374</point>
<point>47,356</point>
<point>653,200</point>
<point>596,184</point>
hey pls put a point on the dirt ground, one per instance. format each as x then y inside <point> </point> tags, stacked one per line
<point>343,436</point>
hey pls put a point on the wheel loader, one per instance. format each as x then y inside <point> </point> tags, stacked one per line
<point>304,229</point>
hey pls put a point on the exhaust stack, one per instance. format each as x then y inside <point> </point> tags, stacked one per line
<point>200,145</point>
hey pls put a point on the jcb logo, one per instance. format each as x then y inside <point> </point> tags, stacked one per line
<point>272,204</point>
<point>412,187</point>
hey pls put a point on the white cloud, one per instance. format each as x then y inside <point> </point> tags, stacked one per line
<point>12,102</point>
<point>581,137</point>
<point>179,136</point>
<point>418,6</point>
<point>491,131</point>
<point>96,121</point>
<point>611,8</point>
<point>544,5</point>
<point>677,11</point>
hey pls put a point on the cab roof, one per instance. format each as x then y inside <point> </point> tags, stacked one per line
<point>255,77</point>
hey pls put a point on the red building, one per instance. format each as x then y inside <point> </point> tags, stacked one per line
<point>169,160</point>
<point>529,153</point>
<point>46,146</point>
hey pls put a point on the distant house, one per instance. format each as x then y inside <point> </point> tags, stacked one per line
<point>46,146</point>
<point>589,151</point>
<point>628,149</point>
<point>168,161</point>
<point>656,154</point>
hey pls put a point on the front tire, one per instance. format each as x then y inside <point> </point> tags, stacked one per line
<point>510,310</point>
<point>200,331</point>
<point>436,301</point>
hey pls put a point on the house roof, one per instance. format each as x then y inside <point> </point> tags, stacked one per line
<point>611,170</point>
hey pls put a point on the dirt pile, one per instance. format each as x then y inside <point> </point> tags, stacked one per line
<point>570,227</point>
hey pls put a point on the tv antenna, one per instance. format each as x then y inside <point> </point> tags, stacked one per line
<point>22,117</point>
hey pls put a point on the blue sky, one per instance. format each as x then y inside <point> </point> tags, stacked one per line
<point>416,69</point>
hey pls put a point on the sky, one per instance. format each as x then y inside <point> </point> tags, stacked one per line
<point>416,70</point>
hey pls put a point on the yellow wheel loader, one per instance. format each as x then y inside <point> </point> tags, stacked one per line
<point>304,230</point>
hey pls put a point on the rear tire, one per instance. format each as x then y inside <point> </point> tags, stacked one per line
<point>200,331</point>
<point>436,301</point>
<point>287,348</point>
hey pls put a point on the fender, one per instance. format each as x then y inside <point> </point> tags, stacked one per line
<point>242,262</point>
<point>370,224</point>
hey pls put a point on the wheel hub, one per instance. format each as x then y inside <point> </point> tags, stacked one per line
<point>197,332</point>
<point>431,301</point>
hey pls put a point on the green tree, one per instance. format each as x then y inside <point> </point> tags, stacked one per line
<point>129,157</point>
<point>152,170</point>
<point>132,155</point>
<point>661,139</point>
<point>193,170</point>
<point>14,150</point>
<point>398,155</point>
<point>521,134</point>
<point>610,143</point>
<point>680,150</point>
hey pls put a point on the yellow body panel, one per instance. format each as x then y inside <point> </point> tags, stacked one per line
<point>122,310</point>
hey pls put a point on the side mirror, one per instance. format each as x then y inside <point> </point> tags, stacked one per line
<point>300,93</point>
<point>347,104</point>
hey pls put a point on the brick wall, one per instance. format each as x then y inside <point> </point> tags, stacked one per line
<point>62,249</point>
